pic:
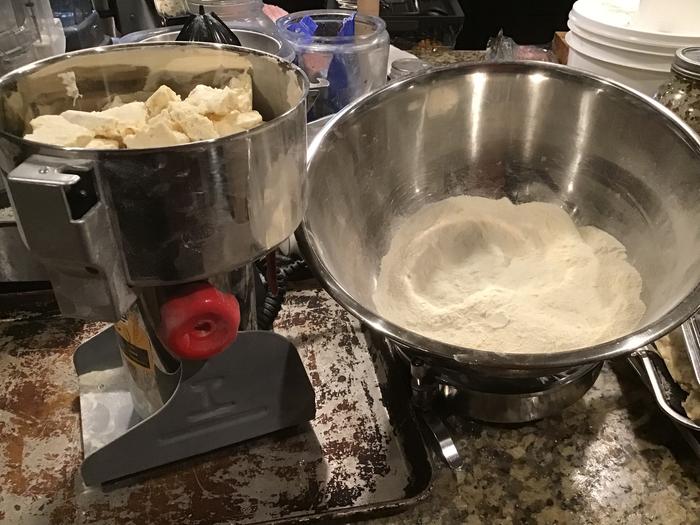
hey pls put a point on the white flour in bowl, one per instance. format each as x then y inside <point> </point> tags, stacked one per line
<point>491,275</point>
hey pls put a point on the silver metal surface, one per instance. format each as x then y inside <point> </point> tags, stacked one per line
<point>527,131</point>
<point>155,373</point>
<point>106,406</point>
<point>216,402</point>
<point>186,212</point>
<point>635,361</point>
<point>67,229</point>
<point>446,444</point>
<point>16,263</point>
<point>404,67</point>
<point>250,39</point>
<point>687,62</point>
<point>691,334</point>
<point>315,127</point>
<point>270,477</point>
<point>523,401</point>
<point>643,364</point>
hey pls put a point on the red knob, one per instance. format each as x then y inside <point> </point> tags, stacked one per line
<point>198,321</point>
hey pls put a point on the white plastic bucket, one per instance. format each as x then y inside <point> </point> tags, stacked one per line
<point>632,74</point>
<point>620,57</point>
<point>616,20</point>
<point>618,43</point>
<point>624,39</point>
<point>681,17</point>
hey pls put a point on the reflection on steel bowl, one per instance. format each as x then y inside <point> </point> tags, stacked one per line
<point>610,157</point>
<point>16,263</point>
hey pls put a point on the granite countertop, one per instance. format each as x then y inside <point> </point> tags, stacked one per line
<point>610,458</point>
<point>443,57</point>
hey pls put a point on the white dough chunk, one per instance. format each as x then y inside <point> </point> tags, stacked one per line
<point>96,121</point>
<point>164,119</point>
<point>130,117</point>
<point>241,81</point>
<point>100,143</point>
<point>242,84</point>
<point>195,125</point>
<point>236,122</point>
<point>158,135</point>
<point>160,100</point>
<point>215,101</point>
<point>54,129</point>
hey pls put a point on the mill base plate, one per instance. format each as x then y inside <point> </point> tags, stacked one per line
<point>256,386</point>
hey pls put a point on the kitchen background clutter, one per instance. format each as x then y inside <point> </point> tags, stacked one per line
<point>582,441</point>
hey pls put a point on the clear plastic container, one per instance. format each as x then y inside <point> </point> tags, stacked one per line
<point>50,39</point>
<point>352,65</point>
<point>16,37</point>
<point>405,67</point>
<point>28,31</point>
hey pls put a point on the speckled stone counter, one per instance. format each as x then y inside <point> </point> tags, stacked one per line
<point>443,57</point>
<point>610,458</point>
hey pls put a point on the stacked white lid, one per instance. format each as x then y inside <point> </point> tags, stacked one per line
<point>632,41</point>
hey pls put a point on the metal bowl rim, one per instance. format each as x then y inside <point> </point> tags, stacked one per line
<point>469,356</point>
<point>135,36</point>
<point>62,151</point>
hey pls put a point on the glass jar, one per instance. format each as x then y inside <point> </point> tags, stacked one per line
<point>405,67</point>
<point>681,93</point>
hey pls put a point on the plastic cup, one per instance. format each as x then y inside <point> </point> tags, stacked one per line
<point>352,65</point>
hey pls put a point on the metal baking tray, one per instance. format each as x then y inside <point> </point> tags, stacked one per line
<point>668,395</point>
<point>362,457</point>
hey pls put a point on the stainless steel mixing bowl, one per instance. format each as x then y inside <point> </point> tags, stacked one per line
<point>531,132</point>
